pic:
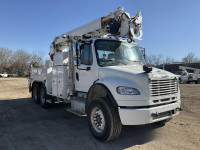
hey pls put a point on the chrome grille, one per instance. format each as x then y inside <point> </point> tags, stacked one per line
<point>163,87</point>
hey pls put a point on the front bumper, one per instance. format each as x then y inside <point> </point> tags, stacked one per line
<point>139,116</point>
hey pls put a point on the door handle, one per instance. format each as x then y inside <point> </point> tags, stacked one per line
<point>77,76</point>
<point>87,69</point>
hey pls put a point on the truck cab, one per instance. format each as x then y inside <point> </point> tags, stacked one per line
<point>117,67</point>
<point>183,78</point>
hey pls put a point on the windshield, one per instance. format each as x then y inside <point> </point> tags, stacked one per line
<point>113,53</point>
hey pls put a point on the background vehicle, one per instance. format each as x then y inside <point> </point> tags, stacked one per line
<point>4,75</point>
<point>183,76</point>
<point>100,70</point>
<point>189,75</point>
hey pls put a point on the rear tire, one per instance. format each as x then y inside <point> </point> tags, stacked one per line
<point>42,98</point>
<point>35,93</point>
<point>103,120</point>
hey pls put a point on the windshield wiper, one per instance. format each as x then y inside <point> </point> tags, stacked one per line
<point>121,62</point>
<point>114,61</point>
<point>134,61</point>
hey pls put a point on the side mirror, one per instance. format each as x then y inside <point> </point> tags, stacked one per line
<point>76,54</point>
<point>147,69</point>
<point>77,62</point>
<point>76,50</point>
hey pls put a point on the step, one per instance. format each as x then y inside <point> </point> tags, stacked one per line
<point>76,112</point>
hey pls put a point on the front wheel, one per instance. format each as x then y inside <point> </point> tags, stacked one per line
<point>103,119</point>
<point>198,81</point>
<point>180,81</point>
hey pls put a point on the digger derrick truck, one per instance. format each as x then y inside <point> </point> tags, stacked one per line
<point>189,75</point>
<point>100,70</point>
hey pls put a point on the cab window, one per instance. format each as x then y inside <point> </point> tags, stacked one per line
<point>86,54</point>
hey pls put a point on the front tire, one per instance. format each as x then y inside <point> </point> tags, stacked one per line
<point>103,119</point>
<point>180,81</point>
<point>198,81</point>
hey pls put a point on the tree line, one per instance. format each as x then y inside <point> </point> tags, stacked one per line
<point>159,59</point>
<point>18,62</point>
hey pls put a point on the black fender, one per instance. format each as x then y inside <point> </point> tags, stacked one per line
<point>40,83</point>
<point>99,90</point>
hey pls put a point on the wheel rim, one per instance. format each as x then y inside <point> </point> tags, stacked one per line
<point>42,97</point>
<point>35,93</point>
<point>97,119</point>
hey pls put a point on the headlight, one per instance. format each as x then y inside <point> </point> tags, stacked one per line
<point>127,91</point>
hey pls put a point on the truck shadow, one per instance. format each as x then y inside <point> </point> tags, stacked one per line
<point>23,123</point>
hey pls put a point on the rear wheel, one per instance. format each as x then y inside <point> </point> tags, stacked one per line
<point>42,98</point>
<point>35,93</point>
<point>103,119</point>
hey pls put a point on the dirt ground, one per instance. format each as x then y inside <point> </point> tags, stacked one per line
<point>25,125</point>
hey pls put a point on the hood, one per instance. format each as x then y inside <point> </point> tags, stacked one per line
<point>128,76</point>
<point>132,76</point>
<point>130,72</point>
<point>136,70</point>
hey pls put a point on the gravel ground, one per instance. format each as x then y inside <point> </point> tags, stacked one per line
<point>24,125</point>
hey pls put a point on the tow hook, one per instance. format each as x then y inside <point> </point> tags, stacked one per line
<point>155,115</point>
<point>179,109</point>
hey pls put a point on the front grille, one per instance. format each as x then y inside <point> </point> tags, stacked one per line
<point>163,87</point>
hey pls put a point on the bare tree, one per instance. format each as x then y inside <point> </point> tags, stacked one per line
<point>149,59</point>
<point>21,61</point>
<point>18,62</point>
<point>154,59</point>
<point>190,58</point>
<point>5,59</point>
<point>37,56</point>
<point>168,60</point>
<point>159,59</point>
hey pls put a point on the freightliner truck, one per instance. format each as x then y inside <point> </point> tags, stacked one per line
<point>100,70</point>
<point>189,75</point>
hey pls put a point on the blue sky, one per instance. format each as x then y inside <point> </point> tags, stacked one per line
<point>170,27</point>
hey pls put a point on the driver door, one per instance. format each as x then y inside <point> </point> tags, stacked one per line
<point>184,77</point>
<point>85,73</point>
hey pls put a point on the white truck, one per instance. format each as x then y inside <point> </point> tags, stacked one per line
<point>4,75</point>
<point>101,71</point>
<point>189,75</point>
